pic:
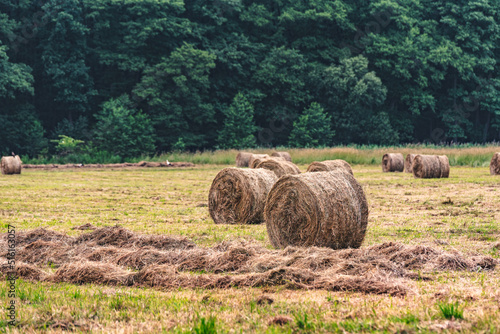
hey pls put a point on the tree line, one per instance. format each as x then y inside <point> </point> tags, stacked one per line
<point>133,77</point>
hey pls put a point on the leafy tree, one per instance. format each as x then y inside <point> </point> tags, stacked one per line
<point>15,78</point>
<point>380,131</point>
<point>312,128</point>
<point>175,94</point>
<point>352,94</point>
<point>386,71</point>
<point>78,128</point>
<point>64,58</point>
<point>22,132</point>
<point>123,131</point>
<point>282,80</point>
<point>238,130</point>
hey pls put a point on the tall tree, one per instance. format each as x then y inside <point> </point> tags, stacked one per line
<point>239,129</point>
<point>175,94</point>
<point>64,58</point>
<point>352,95</point>
<point>312,128</point>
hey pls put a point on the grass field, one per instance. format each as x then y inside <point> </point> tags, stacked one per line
<point>459,155</point>
<point>461,213</point>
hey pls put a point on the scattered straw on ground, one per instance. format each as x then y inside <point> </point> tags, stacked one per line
<point>116,256</point>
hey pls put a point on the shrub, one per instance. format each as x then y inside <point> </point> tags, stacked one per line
<point>78,129</point>
<point>123,131</point>
<point>312,129</point>
<point>66,145</point>
<point>238,130</point>
<point>22,133</point>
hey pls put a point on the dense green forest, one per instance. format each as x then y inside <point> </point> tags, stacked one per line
<point>132,77</point>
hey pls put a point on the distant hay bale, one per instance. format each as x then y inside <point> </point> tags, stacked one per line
<point>255,162</point>
<point>445,166</point>
<point>284,155</point>
<point>409,163</point>
<point>243,159</point>
<point>393,162</point>
<point>324,209</point>
<point>255,159</point>
<point>237,196</point>
<point>431,166</point>
<point>279,167</point>
<point>11,165</point>
<point>330,166</point>
<point>495,164</point>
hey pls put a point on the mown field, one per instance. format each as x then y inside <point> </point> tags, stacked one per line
<point>459,214</point>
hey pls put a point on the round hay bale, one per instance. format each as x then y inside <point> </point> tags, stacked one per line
<point>279,167</point>
<point>430,166</point>
<point>324,209</point>
<point>11,165</point>
<point>495,164</point>
<point>444,163</point>
<point>284,155</point>
<point>409,163</point>
<point>330,166</point>
<point>243,159</point>
<point>237,196</point>
<point>393,162</point>
<point>252,163</point>
<point>258,161</point>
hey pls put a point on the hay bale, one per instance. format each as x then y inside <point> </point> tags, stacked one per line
<point>237,196</point>
<point>393,162</point>
<point>258,161</point>
<point>252,163</point>
<point>284,155</point>
<point>243,159</point>
<point>431,166</point>
<point>325,209</point>
<point>279,167</point>
<point>11,165</point>
<point>495,164</point>
<point>330,166</point>
<point>445,166</point>
<point>409,163</point>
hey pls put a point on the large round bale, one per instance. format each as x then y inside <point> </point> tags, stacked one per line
<point>256,159</point>
<point>431,166</point>
<point>324,209</point>
<point>243,159</point>
<point>393,162</point>
<point>279,167</point>
<point>330,166</point>
<point>444,164</point>
<point>237,196</point>
<point>11,165</point>
<point>409,163</point>
<point>284,155</point>
<point>495,164</point>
